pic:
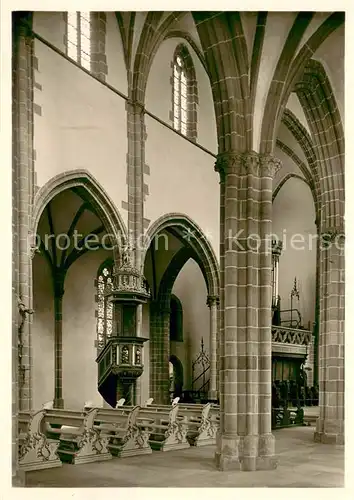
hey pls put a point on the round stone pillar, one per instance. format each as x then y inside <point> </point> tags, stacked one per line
<point>212,303</point>
<point>245,441</point>
<point>330,424</point>
<point>22,173</point>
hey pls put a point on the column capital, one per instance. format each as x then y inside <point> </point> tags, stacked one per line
<point>135,107</point>
<point>269,165</point>
<point>212,299</point>
<point>228,163</point>
<point>259,165</point>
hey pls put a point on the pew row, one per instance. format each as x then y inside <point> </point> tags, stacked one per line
<point>201,421</point>
<point>79,441</point>
<point>126,437</point>
<point>35,450</point>
<point>166,431</point>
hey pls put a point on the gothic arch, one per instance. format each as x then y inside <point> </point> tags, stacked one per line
<point>184,228</point>
<point>285,78</point>
<point>284,180</point>
<point>308,178</point>
<point>319,104</point>
<point>95,194</point>
<point>186,36</point>
<point>152,35</point>
<point>223,41</point>
<point>304,140</point>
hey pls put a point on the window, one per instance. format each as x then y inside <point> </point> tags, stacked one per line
<point>184,103</point>
<point>104,308</point>
<point>79,38</point>
<point>180,96</point>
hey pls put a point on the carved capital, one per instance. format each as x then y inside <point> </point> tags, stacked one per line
<point>251,163</point>
<point>247,163</point>
<point>269,165</point>
<point>229,163</point>
<point>213,300</point>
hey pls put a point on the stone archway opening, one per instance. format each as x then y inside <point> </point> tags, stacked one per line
<point>72,241</point>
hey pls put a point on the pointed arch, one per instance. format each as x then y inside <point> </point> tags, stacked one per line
<point>283,85</point>
<point>92,192</point>
<point>152,35</point>
<point>268,130</point>
<point>285,180</point>
<point>185,229</point>
<point>322,114</point>
<point>223,41</point>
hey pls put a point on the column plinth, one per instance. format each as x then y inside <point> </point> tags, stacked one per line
<point>246,453</point>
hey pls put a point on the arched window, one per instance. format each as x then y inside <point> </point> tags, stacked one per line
<point>104,308</point>
<point>184,107</point>
<point>78,40</point>
<point>176,320</point>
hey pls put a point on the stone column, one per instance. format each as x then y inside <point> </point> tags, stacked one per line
<point>22,88</point>
<point>212,303</point>
<point>59,278</point>
<point>139,325</point>
<point>330,425</point>
<point>135,177</point>
<point>22,170</point>
<point>245,441</point>
<point>159,353</point>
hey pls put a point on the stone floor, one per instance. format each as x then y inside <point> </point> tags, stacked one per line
<point>302,463</point>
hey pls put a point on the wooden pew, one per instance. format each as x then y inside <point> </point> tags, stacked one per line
<point>201,420</point>
<point>35,450</point>
<point>79,441</point>
<point>215,417</point>
<point>126,437</point>
<point>201,428</point>
<point>167,432</point>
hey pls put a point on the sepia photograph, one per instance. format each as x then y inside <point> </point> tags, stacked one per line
<point>178,248</point>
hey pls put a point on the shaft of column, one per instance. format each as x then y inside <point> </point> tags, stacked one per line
<point>135,171</point>
<point>330,424</point>
<point>139,325</point>
<point>58,339</point>
<point>245,441</point>
<point>212,303</point>
<point>23,161</point>
<point>22,137</point>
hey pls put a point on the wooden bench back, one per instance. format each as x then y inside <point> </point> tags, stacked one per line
<point>201,411</point>
<point>167,413</point>
<point>70,418</point>
<point>118,415</point>
<point>30,421</point>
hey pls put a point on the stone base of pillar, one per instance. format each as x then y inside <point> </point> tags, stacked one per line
<point>58,403</point>
<point>213,395</point>
<point>246,453</point>
<point>329,431</point>
<point>19,479</point>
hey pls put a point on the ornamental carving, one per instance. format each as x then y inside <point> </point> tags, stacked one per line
<point>213,299</point>
<point>291,336</point>
<point>251,163</point>
<point>269,165</point>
